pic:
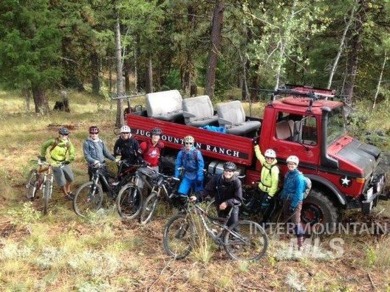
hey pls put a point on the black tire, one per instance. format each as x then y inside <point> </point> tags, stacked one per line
<point>178,236</point>
<point>46,194</point>
<point>88,199</point>
<point>129,201</point>
<point>32,185</point>
<point>247,241</point>
<point>317,208</point>
<point>148,208</point>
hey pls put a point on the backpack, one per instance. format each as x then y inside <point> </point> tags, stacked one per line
<point>56,142</point>
<point>308,186</point>
<point>195,156</point>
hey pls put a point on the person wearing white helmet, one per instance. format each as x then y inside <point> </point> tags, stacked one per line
<point>269,180</point>
<point>189,162</point>
<point>292,196</point>
<point>126,147</point>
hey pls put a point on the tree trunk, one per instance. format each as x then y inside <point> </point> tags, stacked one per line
<point>216,31</point>
<point>119,83</point>
<point>380,80</point>
<point>149,79</point>
<point>40,100</point>
<point>355,49</point>
<point>95,64</point>
<point>341,46</point>
<point>27,94</point>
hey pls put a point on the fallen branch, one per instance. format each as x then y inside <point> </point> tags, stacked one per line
<point>254,288</point>
<point>161,272</point>
<point>371,281</point>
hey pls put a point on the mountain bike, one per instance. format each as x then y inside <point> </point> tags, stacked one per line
<point>41,179</point>
<point>89,196</point>
<point>130,197</point>
<point>164,188</point>
<point>244,240</point>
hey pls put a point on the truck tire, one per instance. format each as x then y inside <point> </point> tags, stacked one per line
<point>317,208</point>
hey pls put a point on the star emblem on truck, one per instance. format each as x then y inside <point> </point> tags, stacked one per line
<point>345,181</point>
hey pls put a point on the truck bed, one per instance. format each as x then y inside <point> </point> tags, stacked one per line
<point>235,148</point>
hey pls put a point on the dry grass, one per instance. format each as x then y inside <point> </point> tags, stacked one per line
<point>61,252</point>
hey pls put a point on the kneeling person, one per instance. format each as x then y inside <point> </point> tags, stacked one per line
<point>226,188</point>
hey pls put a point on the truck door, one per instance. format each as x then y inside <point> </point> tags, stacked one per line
<point>297,134</point>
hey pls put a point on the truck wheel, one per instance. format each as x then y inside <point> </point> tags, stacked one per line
<point>317,208</point>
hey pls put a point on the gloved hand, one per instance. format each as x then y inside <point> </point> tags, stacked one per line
<point>193,199</point>
<point>255,141</point>
<point>96,164</point>
<point>66,162</point>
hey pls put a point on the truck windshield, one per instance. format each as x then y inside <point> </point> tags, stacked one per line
<point>336,127</point>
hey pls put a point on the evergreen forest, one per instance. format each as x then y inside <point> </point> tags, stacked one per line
<point>253,45</point>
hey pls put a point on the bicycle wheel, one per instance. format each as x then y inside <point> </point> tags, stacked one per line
<point>88,198</point>
<point>32,184</point>
<point>148,208</point>
<point>246,241</point>
<point>129,201</point>
<point>47,188</point>
<point>178,236</point>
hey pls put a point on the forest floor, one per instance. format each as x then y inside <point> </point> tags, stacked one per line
<point>63,252</point>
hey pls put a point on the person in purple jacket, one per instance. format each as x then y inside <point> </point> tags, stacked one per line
<point>292,196</point>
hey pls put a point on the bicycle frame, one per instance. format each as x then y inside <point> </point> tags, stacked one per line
<point>45,182</point>
<point>162,186</point>
<point>100,176</point>
<point>208,221</point>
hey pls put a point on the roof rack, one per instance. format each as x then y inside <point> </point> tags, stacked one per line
<point>304,91</point>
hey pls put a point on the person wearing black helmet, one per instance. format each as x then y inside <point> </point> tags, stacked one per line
<point>151,149</point>
<point>226,188</point>
<point>61,152</point>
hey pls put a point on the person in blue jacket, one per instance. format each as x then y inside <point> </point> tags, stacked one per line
<point>292,196</point>
<point>189,167</point>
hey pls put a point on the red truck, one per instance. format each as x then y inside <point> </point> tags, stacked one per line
<point>299,120</point>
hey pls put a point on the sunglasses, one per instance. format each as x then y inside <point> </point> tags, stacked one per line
<point>189,143</point>
<point>93,133</point>
<point>126,133</point>
<point>269,158</point>
<point>228,170</point>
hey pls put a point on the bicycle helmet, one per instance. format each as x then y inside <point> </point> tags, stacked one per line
<point>125,129</point>
<point>63,131</point>
<point>156,131</point>
<point>270,153</point>
<point>229,166</point>
<point>189,139</point>
<point>93,130</point>
<point>293,159</point>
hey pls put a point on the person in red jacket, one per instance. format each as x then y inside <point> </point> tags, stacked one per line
<point>151,149</point>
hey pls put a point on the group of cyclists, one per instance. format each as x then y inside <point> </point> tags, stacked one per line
<point>226,188</point>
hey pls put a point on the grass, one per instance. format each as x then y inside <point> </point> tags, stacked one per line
<point>62,252</point>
